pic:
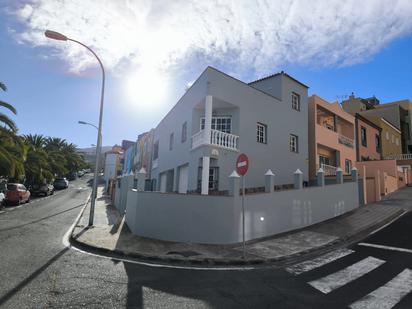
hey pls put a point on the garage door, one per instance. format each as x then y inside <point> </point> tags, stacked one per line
<point>183,178</point>
<point>163,179</point>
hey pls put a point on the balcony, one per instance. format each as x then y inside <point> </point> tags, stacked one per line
<point>328,169</point>
<point>345,141</point>
<point>217,138</point>
<point>404,156</point>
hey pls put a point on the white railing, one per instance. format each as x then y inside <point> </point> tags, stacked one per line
<point>198,139</point>
<point>329,169</point>
<point>345,141</point>
<point>223,139</point>
<point>217,138</point>
<point>404,156</point>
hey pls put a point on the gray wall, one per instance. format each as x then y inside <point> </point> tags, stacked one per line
<point>126,184</point>
<point>217,219</point>
<point>249,107</point>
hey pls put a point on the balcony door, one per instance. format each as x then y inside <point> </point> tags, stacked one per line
<point>219,123</point>
<point>324,161</point>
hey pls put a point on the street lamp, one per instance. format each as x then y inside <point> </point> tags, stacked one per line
<point>88,123</point>
<point>61,37</point>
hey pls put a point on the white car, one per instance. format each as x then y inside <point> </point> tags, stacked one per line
<point>1,198</point>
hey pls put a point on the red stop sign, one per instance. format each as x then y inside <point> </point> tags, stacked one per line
<point>242,164</point>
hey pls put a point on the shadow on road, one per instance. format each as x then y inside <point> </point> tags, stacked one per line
<point>41,219</point>
<point>30,278</point>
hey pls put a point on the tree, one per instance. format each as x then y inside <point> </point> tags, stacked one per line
<point>4,119</point>
<point>36,165</point>
<point>12,149</point>
<point>13,154</point>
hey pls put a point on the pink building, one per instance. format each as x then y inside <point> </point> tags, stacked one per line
<point>369,143</point>
<point>331,137</point>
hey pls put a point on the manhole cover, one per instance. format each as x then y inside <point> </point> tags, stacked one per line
<point>183,253</point>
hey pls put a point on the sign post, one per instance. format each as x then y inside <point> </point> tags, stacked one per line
<point>242,166</point>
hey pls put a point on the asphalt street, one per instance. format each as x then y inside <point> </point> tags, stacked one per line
<point>39,271</point>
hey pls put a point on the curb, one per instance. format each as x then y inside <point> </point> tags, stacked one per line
<point>212,262</point>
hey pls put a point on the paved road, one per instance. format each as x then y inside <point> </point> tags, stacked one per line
<point>38,271</point>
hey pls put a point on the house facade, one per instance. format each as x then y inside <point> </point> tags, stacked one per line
<point>354,105</point>
<point>368,139</point>
<point>398,113</point>
<point>196,145</point>
<point>113,164</point>
<point>331,137</point>
<point>391,137</point>
<point>402,119</point>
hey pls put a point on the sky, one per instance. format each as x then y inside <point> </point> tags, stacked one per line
<point>153,50</point>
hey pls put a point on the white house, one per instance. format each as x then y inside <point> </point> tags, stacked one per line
<point>196,144</point>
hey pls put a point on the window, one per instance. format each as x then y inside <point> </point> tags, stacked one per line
<point>387,136</point>
<point>223,123</point>
<point>393,138</point>
<point>363,137</point>
<point>171,140</point>
<point>213,178</point>
<point>323,161</point>
<point>261,133</point>
<point>155,150</point>
<point>293,143</point>
<point>397,141</point>
<point>184,132</point>
<point>295,101</point>
<point>378,143</point>
<point>348,166</point>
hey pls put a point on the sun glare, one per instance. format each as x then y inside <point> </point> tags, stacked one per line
<point>148,88</point>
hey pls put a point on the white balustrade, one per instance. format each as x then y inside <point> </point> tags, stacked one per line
<point>217,138</point>
<point>404,156</point>
<point>329,169</point>
<point>198,139</point>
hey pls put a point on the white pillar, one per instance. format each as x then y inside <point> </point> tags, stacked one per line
<point>208,118</point>
<point>205,176</point>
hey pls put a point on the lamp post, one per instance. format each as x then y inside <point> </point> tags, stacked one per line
<point>61,37</point>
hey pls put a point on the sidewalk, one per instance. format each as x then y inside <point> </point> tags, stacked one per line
<point>111,235</point>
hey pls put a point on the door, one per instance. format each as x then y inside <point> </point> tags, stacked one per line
<point>163,180</point>
<point>183,178</point>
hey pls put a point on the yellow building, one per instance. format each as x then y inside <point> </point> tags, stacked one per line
<point>391,136</point>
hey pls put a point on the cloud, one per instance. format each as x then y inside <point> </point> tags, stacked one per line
<point>256,36</point>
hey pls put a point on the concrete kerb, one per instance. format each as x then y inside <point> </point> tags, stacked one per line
<point>231,262</point>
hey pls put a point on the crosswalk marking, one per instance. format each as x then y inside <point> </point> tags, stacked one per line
<point>300,268</point>
<point>387,295</point>
<point>338,279</point>
<point>385,247</point>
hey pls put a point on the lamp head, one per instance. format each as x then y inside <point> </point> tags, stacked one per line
<point>55,35</point>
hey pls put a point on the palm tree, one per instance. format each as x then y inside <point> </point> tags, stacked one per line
<point>13,154</point>
<point>37,164</point>
<point>54,143</point>
<point>36,141</point>
<point>4,119</point>
<point>12,149</point>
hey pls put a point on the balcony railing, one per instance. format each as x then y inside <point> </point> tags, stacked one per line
<point>404,156</point>
<point>345,141</point>
<point>217,138</point>
<point>329,169</point>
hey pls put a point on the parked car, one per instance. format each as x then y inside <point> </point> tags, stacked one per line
<point>61,183</point>
<point>80,173</point>
<point>17,193</point>
<point>2,196</point>
<point>72,176</point>
<point>43,189</point>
